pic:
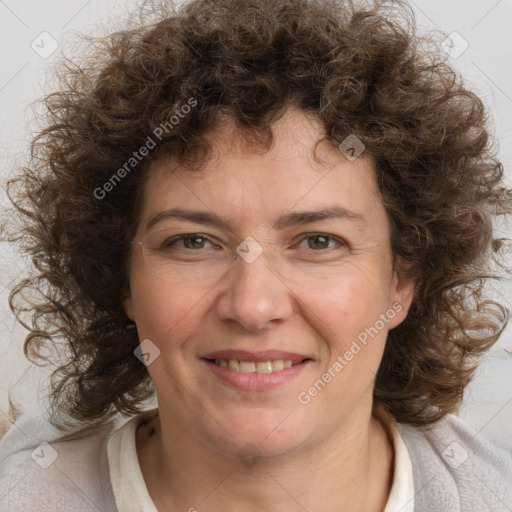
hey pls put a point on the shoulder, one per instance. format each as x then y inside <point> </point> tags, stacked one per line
<point>39,472</point>
<point>457,468</point>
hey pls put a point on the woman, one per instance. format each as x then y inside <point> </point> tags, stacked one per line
<point>276,218</point>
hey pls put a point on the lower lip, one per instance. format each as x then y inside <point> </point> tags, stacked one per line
<point>256,381</point>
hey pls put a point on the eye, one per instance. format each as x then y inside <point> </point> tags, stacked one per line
<point>320,241</point>
<point>189,241</point>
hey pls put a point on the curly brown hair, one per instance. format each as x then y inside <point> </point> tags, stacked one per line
<point>358,70</point>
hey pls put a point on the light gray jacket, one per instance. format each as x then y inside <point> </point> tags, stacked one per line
<point>455,470</point>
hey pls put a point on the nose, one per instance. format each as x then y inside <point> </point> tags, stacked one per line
<point>252,294</point>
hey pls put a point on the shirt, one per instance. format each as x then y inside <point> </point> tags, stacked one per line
<point>455,468</point>
<point>131,493</point>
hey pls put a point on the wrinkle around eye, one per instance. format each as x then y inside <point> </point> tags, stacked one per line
<point>177,242</point>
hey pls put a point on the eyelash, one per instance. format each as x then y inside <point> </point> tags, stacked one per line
<point>172,241</point>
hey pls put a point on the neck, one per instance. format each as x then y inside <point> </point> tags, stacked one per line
<point>352,470</point>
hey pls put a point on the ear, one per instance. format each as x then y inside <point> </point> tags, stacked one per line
<point>402,295</point>
<point>127,302</point>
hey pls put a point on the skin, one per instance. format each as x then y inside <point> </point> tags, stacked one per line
<point>331,454</point>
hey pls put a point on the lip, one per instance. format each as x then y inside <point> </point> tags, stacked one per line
<point>256,381</point>
<point>247,355</point>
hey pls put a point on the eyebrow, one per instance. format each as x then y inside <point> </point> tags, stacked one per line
<point>287,220</point>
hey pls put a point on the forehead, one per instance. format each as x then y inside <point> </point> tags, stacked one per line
<point>242,181</point>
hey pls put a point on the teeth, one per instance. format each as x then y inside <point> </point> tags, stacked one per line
<point>264,367</point>
<point>278,364</point>
<point>259,367</point>
<point>233,364</point>
<point>247,367</point>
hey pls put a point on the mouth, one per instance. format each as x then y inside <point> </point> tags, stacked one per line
<point>250,371</point>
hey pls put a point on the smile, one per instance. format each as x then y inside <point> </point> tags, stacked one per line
<point>255,375</point>
<point>270,366</point>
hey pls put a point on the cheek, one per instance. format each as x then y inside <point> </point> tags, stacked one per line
<point>352,341</point>
<point>352,336</point>
<point>167,311</point>
<point>347,304</point>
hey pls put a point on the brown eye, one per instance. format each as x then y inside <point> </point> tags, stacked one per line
<point>321,241</point>
<point>189,241</point>
<point>318,242</point>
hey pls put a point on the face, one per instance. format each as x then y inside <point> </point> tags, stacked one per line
<point>316,290</point>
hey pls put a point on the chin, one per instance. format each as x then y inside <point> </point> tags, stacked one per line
<point>260,435</point>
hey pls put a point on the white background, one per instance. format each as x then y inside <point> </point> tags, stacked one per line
<point>486,66</point>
